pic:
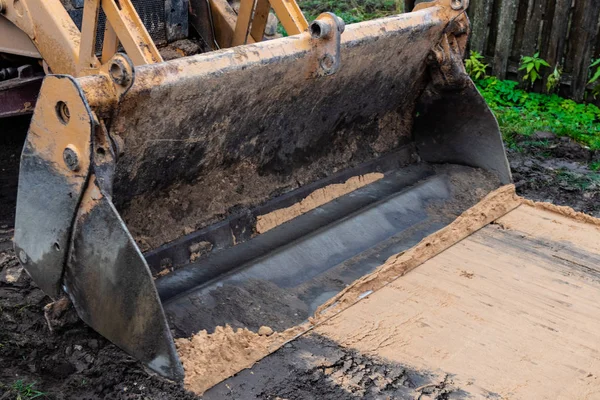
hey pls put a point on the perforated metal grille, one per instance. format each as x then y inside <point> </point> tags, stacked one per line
<point>152,13</point>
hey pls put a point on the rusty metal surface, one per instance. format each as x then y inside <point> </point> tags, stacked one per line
<point>281,277</point>
<point>69,236</point>
<point>112,289</point>
<point>49,26</point>
<point>326,32</point>
<point>197,147</point>
<point>282,131</point>
<point>49,191</point>
<point>18,96</point>
<point>458,127</point>
<point>240,226</point>
<point>15,41</point>
<point>202,138</point>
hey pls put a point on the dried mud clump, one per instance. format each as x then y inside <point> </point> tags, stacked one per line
<point>210,358</point>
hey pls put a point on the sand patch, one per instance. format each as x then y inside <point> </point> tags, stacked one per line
<point>210,358</point>
<point>563,210</point>
<point>316,199</point>
<point>512,308</point>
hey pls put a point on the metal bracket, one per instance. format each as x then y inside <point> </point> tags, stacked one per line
<point>54,170</point>
<point>108,279</point>
<point>446,58</point>
<point>325,36</point>
<point>69,236</point>
<point>121,71</point>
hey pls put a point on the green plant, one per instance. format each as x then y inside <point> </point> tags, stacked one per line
<point>553,80</point>
<point>595,165</point>
<point>351,11</point>
<point>475,66</point>
<point>26,390</point>
<point>595,77</point>
<point>520,113</point>
<point>532,67</point>
<point>572,180</point>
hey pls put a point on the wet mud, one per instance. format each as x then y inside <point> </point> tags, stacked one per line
<point>314,367</point>
<point>556,170</point>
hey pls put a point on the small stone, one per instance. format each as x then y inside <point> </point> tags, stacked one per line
<point>60,314</point>
<point>272,22</point>
<point>12,275</point>
<point>78,347</point>
<point>199,249</point>
<point>265,331</point>
<point>541,135</point>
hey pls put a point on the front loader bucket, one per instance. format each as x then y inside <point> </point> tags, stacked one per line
<point>247,186</point>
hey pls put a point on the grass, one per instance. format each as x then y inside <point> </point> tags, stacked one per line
<point>351,11</point>
<point>25,391</point>
<point>522,113</point>
<point>578,181</point>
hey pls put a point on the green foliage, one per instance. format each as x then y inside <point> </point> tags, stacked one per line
<point>26,390</point>
<point>595,77</point>
<point>351,11</point>
<point>570,179</point>
<point>532,67</point>
<point>475,66</point>
<point>522,113</point>
<point>553,80</point>
<point>595,165</point>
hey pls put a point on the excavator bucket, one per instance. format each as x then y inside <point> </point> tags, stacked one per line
<point>247,186</point>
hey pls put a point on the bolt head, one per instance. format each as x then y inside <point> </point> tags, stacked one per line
<point>119,72</point>
<point>71,159</point>
<point>327,62</point>
<point>456,4</point>
<point>23,256</point>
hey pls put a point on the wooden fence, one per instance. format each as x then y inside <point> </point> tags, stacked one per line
<point>564,32</point>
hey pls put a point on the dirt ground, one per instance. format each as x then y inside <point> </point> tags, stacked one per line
<point>556,170</point>
<point>75,362</point>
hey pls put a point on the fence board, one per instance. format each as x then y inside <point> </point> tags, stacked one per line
<point>584,30</point>
<point>566,33</point>
<point>532,27</point>
<point>504,36</point>
<point>597,47</point>
<point>520,25</point>
<point>558,33</point>
<point>480,24</point>
<point>546,29</point>
<point>532,30</point>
